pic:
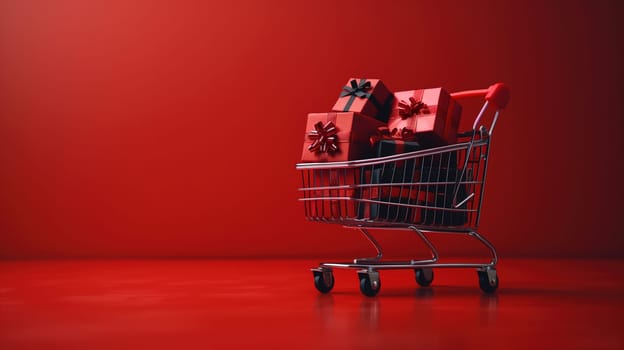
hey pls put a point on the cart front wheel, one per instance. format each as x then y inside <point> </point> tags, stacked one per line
<point>488,280</point>
<point>323,280</point>
<point>370,284</point>
<point>424,276</point>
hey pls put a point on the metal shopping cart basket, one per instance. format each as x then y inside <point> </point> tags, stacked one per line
<point>437,190</point>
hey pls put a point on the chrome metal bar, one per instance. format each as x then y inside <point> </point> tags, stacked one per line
<point>488,245</point>
<point>375,244</point>
<point>348,187</point>
<point>386,202</point>
<point>464,201</point>
<point>470,146</point>
<point>429,229</point>
<point>478,119</point>
<point>407,265</point>
<point>494,121</point>
<point>485,166</point>
<point>387,159</point>
<point>432,248</point>
<point>416,183</point>
<point>374,263</point>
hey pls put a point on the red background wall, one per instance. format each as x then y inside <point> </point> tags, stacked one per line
<point>145,129</point>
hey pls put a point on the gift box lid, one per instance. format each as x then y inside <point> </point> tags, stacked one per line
<point>370,97</point>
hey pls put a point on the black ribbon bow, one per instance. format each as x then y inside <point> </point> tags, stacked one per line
<point>356,90</point>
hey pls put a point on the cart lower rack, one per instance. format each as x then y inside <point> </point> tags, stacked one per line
<point>438,190</point>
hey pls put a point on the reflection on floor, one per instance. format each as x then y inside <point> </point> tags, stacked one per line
<point>572,304</point>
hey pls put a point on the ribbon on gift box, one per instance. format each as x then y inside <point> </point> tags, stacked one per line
<point>421,111</point>
<point>404,134</point>
<point>324,136</point>
<point>412,107</point>
<point>358,90</point>
<point>383,133</point>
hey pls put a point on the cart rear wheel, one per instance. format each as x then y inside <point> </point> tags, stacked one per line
<point>488,284</point>
<point>424,276</point>
<point>370,284</point>
<point>323,281</point>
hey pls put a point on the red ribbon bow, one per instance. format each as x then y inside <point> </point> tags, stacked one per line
<point>324,137</point>
<point>408,109</point>
<point>404,134</point>
<point>383,133</point>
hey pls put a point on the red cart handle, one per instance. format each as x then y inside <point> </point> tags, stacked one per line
<point>498,94</point>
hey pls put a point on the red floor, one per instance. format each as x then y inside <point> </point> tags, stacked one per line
<point>574,304</point>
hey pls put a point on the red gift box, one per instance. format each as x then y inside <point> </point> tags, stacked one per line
<point>431,114</point>
<point>333,189</point>
<point>367,96</point>
<point>334,137</point>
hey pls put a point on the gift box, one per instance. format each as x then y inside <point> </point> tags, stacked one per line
<point>333,137</point>
<point>394,146</point>
<point>431,114</point>
<point>381,198</point>
<point>334,190</point>
<point>388,143</point>
<point>385,176</point>
<point>367,96</point>
<point>451,125</point>
<point>428,182</point>
<point>391,147</point>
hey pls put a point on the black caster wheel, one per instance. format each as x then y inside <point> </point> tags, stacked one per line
<point>424,276</point>
<point>323,280</point>
<point>370,284</point>
<point>488,280</point>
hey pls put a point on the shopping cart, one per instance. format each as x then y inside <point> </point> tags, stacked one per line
<point>437,190</point>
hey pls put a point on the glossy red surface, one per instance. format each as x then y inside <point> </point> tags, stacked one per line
<point>217,304</point>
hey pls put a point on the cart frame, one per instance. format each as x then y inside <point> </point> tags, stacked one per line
<point>473,154</point>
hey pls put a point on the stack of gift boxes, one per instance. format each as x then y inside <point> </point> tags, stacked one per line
<point>369,121</point>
